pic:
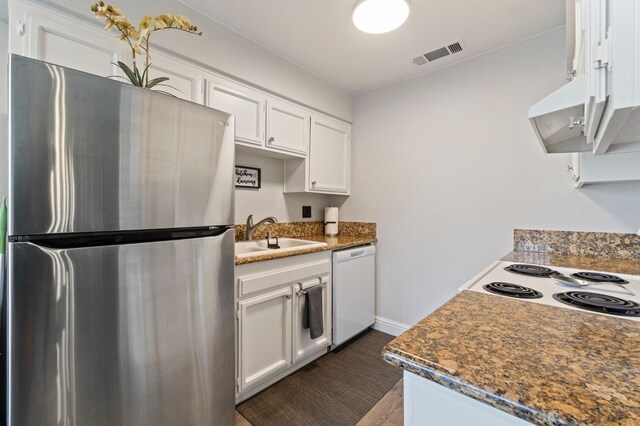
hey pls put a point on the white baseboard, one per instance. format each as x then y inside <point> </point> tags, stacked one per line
<point>388,326</point>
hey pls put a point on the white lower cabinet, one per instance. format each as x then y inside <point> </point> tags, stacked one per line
<point>270,337</point>
<point>303,344</point>
<point>264,335</point>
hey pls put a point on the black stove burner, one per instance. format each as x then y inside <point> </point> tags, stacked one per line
<point>597,302</point>
<point>531,270</point>
<point>512,290</point>
<point>598,277</point>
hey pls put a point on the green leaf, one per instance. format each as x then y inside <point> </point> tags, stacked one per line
<point>156,81</point>
<point>145,72</point>
<point>137,74</point>
<point>130,74</point>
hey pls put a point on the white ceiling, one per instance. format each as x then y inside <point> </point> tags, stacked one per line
<point>319,36</point>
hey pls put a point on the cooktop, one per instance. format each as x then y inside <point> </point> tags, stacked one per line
<point>599,292</point>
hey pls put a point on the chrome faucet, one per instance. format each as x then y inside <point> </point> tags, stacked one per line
<point>251,227</point>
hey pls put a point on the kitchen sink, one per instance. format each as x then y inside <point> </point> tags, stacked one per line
<point>259,247</point>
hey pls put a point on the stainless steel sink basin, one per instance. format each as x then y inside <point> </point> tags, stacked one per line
<point>259,247</point>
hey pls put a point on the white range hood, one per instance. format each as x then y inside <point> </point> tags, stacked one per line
<point>557,119</point>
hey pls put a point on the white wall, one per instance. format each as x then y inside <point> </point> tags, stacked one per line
<point>448,166</point>
<point>269,200</point>
<point>232,53</point>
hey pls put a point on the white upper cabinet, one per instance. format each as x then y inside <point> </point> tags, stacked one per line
<point>316,150</point>
<point>185,80</point>
<point>329,156</point>
<point>591,169</point>
<point>614,67</point>
<point>327,168</point>
<point>287,127</point>
<point>246,104</point>
<point>598,111</point>
<point>595,39</point>
<point>38,33</point>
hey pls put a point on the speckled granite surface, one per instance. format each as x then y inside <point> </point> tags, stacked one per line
<point>352,234</point>
<point>307,229</point>
<point>600,244</point>
<point>547,365</point>
<point>594,263</point>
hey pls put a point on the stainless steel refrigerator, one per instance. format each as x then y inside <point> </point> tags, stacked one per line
<point>120,259</point>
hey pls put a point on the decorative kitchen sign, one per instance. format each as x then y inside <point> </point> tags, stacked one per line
<point>247,177</point>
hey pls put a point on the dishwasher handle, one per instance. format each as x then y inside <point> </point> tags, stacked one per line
<point>354,253</point>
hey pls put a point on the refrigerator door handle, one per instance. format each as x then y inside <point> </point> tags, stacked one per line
<point>98,239</point>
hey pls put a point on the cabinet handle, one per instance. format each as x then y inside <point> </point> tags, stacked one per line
<point>573,122</point>
<point>313,183</point>
<point>272,139</point>
<point>570,168</point>
<point>288,296</point>
<point>20,27</point>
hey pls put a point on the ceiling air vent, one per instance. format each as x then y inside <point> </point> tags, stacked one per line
<point>441,52</point>
<point>454,48</point>
<point>437,54</point>
<point>420,60</point>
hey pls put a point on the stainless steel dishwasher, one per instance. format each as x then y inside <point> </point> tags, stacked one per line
<point>353,292</point>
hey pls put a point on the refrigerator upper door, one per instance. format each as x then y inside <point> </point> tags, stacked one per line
<point>90,154</point>
<point>138,334</point>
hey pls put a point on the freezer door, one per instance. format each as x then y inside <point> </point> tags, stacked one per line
<point>90,154</point>
<point>139,334</point>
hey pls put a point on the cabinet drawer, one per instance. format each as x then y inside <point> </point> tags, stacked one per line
<point>250,284</point>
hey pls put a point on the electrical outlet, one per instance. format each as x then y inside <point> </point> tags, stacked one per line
<point>306,211</point>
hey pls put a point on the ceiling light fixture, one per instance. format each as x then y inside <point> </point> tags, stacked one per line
<point>380,16</point>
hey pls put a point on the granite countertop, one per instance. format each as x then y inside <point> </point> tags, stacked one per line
<point>547,365</point>
<point>333,243</point>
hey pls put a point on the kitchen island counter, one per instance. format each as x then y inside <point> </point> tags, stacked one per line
<point>544,364</point>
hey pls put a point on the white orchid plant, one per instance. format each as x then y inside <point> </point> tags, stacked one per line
<point>138,38</point>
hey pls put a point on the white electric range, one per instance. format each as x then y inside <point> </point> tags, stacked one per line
<point>602,293</point>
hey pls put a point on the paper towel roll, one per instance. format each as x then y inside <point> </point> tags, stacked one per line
<point>331,221</point>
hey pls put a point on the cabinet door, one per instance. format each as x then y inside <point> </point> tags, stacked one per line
<point>329,156</point>
<point>49,36</point>
<point>303,344</point>
<point>246,104</point>
<point>265,336</point>
<point>596,64</point>
<point>185,80</point>
<point>288,127</point>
